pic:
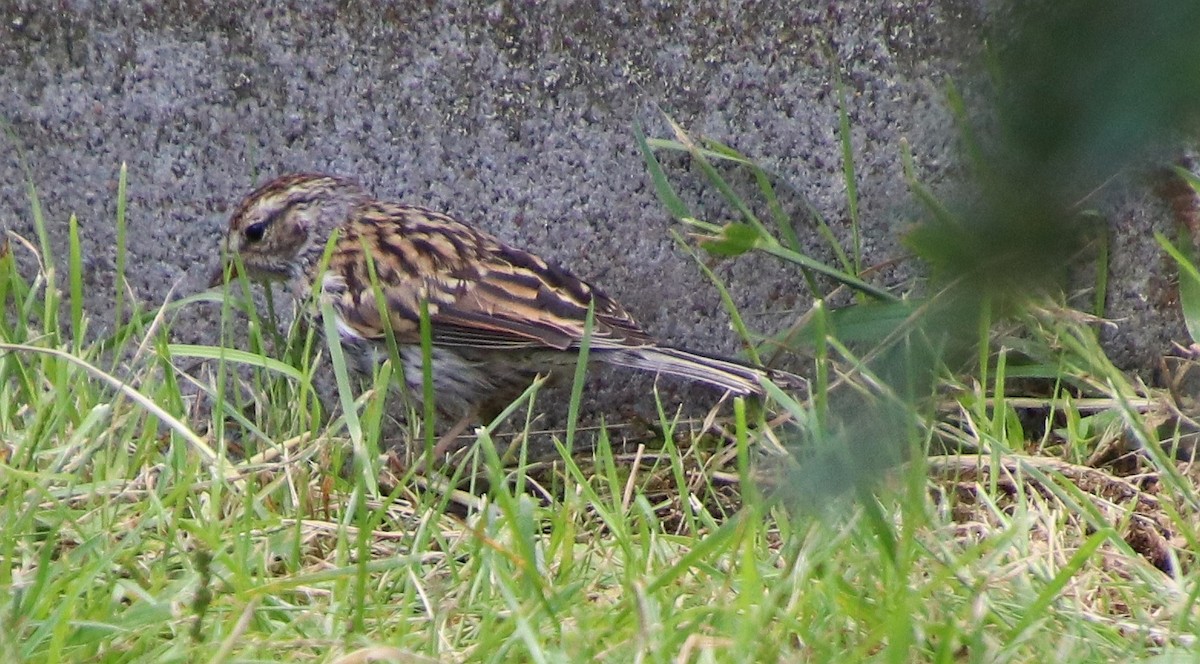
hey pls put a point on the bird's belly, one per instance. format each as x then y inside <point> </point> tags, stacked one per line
<point>464,381</point>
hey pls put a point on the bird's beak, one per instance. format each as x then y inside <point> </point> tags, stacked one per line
<point>218,277</point>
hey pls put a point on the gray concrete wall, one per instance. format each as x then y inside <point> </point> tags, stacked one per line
<point>515,116</point>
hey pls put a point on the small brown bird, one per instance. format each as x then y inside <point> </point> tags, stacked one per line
<point>499,316</point>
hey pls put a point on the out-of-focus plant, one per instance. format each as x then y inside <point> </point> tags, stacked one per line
<point>1078,93</point>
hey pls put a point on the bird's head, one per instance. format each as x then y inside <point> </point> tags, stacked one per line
<point>281,226</point>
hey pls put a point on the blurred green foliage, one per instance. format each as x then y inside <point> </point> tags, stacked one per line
<point>1083,91</point>
<point>1078,93</point>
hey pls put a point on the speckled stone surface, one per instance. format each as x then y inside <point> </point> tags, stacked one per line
<point>515,116</point>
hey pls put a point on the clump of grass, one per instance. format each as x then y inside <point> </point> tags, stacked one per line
<point>1076,474</point>
<point>153,508</point>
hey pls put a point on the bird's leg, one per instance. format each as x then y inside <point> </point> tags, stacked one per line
<point>448,442</point>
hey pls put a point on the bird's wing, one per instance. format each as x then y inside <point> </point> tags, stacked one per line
<point>480,292</point>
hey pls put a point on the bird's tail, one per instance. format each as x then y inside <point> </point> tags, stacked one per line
<point>719,372</point>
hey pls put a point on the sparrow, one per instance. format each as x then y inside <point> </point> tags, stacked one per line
<point>499,316</point>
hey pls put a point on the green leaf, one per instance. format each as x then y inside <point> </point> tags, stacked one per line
<point>734,240</point>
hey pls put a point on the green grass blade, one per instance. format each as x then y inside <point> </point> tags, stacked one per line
<point>662,187</point>
<point>581,364</point>
<point>218,464</point>
<point>246,358</point>
<point>119,284</point>
<point>720,150</point>
<point>837,275</point>
<point>719,182</point>
<point>363,459</point>
<point>1189,282</point>
<point>735,316</point>
<point>1038,609</point>
<point>75,258</point>
<point>1100,295</point>
<point>849,176</point>
<point>428,395</point>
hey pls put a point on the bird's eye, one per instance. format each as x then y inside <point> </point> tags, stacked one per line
<point>254,232</point>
